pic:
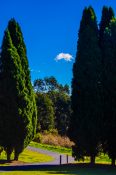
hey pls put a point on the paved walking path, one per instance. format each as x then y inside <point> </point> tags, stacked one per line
<point>55,155</point>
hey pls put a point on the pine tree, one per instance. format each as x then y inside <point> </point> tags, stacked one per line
<point>109,72</point>
<point>86,90</point>
<point>19,107</point>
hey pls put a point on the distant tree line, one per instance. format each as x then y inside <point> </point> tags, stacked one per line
<point>93,99</point>
<point>53,105</point>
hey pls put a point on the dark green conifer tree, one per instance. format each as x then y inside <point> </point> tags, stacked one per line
<point>19,107</point>
<point>18,42</point>
<point>10,79</point>
<point>86,90</point>
<point>107,43</point>
<point>107,15</point>
<point>109,72</point>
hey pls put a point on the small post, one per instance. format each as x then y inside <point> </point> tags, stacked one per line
<point>60,159</point>
<point>67,158</point>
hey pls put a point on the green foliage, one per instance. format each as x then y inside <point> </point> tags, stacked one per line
<point>86,90</point>
<point>18,109</point>
<point>62,106</point>
<point>49,84</point>
<point>109,81</point>
<point>93,87</point>
<point>48,89</point>
<point>38,138</point>
<point>107,15</point>
<point>88,19</point>
<point>45,112</point>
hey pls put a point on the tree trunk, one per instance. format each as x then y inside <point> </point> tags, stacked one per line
<point>8,156</point>
<point>113,162</point>
<point>92,160</point>
<point>8,152</point>
<point>16,155</point>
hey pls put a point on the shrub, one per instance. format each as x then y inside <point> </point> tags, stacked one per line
<point>56,140</point>
<point>38,138</point>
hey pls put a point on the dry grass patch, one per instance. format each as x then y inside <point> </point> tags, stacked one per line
<point>55,140</point>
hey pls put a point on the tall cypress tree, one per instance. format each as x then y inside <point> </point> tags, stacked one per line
<point>18,42</point>
<point>107,36</point>
<point>21,112</point>
<point>107,15</point>
<point>86,90</point>
<point>10,79</point>
<point>109,72</point>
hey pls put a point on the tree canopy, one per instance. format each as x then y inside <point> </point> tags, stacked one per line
<point>56,96</point>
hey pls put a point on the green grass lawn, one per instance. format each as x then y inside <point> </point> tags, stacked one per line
<point>31,157</point>
<point>65,170</point>
<point>28,156</point>
<point>57,149</point>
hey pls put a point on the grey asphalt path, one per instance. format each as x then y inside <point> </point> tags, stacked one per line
<point>55,155</point>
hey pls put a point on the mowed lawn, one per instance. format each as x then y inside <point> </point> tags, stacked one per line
<point>27,156</point>
<point>67,170</point>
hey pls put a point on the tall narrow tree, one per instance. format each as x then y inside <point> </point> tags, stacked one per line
<point>109,72</point>
<point>18,42</point>
<point>107,37</point>
<point>19,108</point>
<point>86,90</point>
<point>10,66</point>
<point>107,15</point>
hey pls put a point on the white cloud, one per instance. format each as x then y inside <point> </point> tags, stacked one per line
<point>64,56</point>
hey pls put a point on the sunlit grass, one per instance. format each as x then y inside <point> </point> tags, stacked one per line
<point>30,173</point>
<point>103,159</point>
<point>28,156</point>
<point>31,157</point>
<point>52,148</point>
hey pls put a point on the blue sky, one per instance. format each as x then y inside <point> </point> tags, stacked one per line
<point>50,28</point>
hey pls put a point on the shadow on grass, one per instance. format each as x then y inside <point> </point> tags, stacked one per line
<point>85,169</point>
<point>70,169</point>
<point>3,162</point>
